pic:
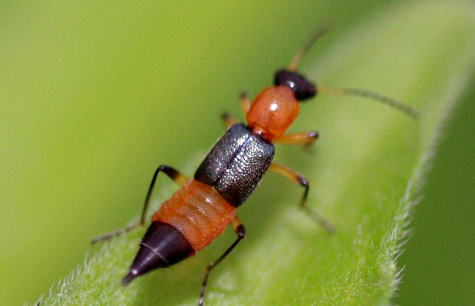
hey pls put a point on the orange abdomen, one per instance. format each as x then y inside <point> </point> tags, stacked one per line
<point>198,212</point>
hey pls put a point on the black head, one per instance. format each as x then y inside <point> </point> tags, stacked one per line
<point>299,84</point>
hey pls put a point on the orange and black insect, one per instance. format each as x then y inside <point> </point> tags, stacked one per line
<point>206,204</point>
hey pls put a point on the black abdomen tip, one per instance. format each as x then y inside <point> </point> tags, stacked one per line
<point>162,246</point>
<point>129,277</point>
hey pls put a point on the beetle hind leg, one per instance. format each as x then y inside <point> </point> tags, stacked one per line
<point>241,233</point>
<point>173,174</point>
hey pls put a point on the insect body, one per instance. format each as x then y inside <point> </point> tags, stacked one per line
<point>206,204</point>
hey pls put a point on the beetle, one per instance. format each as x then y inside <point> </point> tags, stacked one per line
<point>206,204</point>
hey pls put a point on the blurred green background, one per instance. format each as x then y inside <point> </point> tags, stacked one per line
<point>94,95</point>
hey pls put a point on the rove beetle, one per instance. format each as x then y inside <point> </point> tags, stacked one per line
<point>206,204</point>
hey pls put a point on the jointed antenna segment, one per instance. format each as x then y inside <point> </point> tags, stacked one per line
<point>320,31</point>
<point>371,95</point>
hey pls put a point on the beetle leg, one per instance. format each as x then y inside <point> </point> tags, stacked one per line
<point>304,138</point>
<point>241,233</point>
<point>299,179</point>
<point>228,120</point>
<point>245,103</point>
<point>175,175</point>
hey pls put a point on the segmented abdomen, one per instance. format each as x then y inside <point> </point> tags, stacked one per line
<point>198,211</point>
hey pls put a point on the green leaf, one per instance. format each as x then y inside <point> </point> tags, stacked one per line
<point>366,173</point>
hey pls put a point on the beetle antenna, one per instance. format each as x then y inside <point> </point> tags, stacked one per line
<point>319,32</point>
<point>371,95</point>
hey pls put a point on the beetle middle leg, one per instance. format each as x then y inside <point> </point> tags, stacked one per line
<point>172,173</point>
<point>241,233</point>
<point>299,179</point>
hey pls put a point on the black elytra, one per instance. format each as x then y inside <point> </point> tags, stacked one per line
<point>236,164</point>
<point>303,88</point>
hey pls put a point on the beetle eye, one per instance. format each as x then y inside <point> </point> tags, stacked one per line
<point>303,89</point>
